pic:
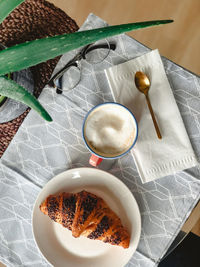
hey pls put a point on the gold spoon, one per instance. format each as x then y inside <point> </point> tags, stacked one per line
<point>142,83</point>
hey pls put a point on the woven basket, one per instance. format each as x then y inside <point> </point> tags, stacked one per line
<point>33,19</point>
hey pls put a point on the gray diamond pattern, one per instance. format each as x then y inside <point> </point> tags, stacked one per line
<point>41,150</point>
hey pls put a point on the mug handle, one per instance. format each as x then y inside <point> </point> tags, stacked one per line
<point>95,160</point>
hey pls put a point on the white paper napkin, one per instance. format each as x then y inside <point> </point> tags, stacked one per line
<point>154,158</point>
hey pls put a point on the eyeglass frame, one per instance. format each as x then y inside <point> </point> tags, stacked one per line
<point>74,62</point>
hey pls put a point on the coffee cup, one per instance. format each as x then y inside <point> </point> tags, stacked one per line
<point>109,131</point>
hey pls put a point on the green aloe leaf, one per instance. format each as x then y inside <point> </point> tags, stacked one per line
<point>2,99</point>
<point>13,90</point>
<point>31,53</point>
<point>6,6</point>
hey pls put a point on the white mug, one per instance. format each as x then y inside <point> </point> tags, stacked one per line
<point>109,131</point>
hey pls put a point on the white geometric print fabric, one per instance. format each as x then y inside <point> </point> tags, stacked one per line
<point>40,150</point>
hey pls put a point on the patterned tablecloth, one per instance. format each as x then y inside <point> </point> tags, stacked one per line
<point>40,150</point>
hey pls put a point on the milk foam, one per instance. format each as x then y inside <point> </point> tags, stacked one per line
<point>110,130</point>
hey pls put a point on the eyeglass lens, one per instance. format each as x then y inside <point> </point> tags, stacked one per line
<point>97,52</point>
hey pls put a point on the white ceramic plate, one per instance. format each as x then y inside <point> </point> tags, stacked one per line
<point>58,245</point>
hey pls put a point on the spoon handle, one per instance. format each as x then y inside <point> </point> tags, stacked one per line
<point>153,117</point>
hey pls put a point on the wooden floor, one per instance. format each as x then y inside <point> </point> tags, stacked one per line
<point>178,41</point>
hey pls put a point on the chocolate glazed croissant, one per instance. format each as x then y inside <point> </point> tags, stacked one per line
<point>87,215</point>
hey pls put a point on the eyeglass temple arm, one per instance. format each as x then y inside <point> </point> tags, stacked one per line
<point>112,46</point>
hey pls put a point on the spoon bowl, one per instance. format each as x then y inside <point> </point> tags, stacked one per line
<point>142,82</point>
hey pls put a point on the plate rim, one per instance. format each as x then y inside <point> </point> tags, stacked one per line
<point>86,169</point>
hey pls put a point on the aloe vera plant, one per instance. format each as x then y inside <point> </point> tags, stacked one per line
<point>23,55</point>
<point>19,93</point>
<point>2,99</point>
<point>7,6</point>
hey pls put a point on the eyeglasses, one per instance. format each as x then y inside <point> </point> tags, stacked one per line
<point>93,53</point>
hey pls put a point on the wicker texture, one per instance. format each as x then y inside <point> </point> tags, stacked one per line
<point>33,19</point>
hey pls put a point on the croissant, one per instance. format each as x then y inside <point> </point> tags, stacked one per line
<point>87,215</point>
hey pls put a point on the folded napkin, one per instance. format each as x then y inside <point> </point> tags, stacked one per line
<point>154,158</point>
